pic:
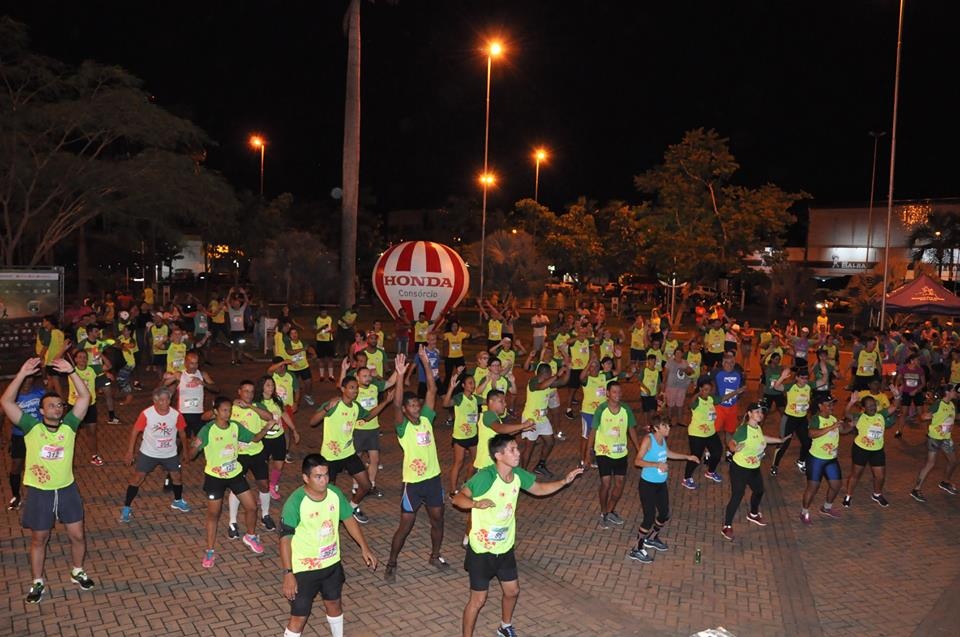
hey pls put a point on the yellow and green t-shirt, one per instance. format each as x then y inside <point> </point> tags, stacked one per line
<point>941,423</point>
<point>455,343</point>
<point>493,530</point>
<point>375,361</point>
<point>368,398</point>
<point>703,417</point>
<point>595,391</point>
<point>252,422</point>
<point>870,431</point>
<point>494,330</point>
<point>286,385</point>
<point>315,527</point>
<point>485,433</point>
<point>158,336</point>
<point>338,426</point>
<point>324,326</point>
<point>89,377</point>
<point>611,428</point>
<point>49,454</point>
<point>638,338</point>
<point>221,448</point>
<point>826,446</point>
<point>275,407</point>
<point>298,360</point>
<point>651,381</point>
<point>868,362</point>
<point>753,445</point>
<point>53,341</point>
<point>713,340</point>
<point>420,331</point>
<point>420,460</point>
<point>176,355</point>
<point>466,415</point>
<point>798,400</point>
<point>579,353</point>
<point>129,347</point>
<point>537,402</point>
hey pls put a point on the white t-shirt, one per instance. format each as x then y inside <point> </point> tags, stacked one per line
<point>190,393</point>
<point>540,322</point>
<point>159,432</point>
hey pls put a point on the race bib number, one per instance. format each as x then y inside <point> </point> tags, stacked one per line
<point>191,403</point>
<point>472,418</point>
<point>51,452</point>
<point>912,382</point>
<point>946,427</point>
<point>867,369</point>
<point>178,364</point>
<point>875,433</point>
<point>228,467</point>
<point>619,447</point>
<point>298,357</point>
<point>368,403</point>
<point>158,338</point>
<point>541,414</point>
<point>326,552</point>
<point>348,427</point>
<point>712,416</point>
<point>601,392</point>
<point>423,438</point>
<point>801,407</point>
<point>164,443</point>
<point>498,534</point>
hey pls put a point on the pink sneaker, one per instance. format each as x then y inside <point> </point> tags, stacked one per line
<point>208,558</point>
<point>96,461</point>
<point>757,519</point>
<point>254,543</point>
<point>805,518</point>
<point>830,513</point>
<point>275,492</point>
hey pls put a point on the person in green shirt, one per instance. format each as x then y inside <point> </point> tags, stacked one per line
<point>310,547</point>
<point>466,416</point>
<point>536,412</point>
<point>871,423</point>
<point>942,414</point>
<point>613,425</point>
<point>346,328</point>
<point>491,496</point>
<point>52,493</point>
<point>422,482</point>
<point>825,432</point>
<point>95,347</point>
<point>366,435</point>
<point>220,442</point>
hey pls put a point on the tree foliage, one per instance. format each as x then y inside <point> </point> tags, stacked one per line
<point>513,265</point>
<point>295,266</point>
<point>937,239</point>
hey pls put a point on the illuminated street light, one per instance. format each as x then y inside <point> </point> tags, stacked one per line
<point>539,155</point>
<point>494,49</point>
<point>257,142</point>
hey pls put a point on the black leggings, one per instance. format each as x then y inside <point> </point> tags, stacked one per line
<point>740,479</point>
<point>655,503</point>
<point>449,367</point>
<point>697,446</point>
<point>799,428</point>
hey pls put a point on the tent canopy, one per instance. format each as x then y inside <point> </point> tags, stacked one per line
<point>923,295</point>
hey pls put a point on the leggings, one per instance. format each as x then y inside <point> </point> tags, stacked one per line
<point>740,479</point>
<point>655,503</point>
<point>797,427</point>
<point>697,446</point>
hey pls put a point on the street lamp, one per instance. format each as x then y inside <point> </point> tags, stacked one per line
<point>539,155</point>
<point>494,49</point>
<point>257,142</point>
<point>873,182</point>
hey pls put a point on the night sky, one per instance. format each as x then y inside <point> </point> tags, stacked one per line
<point>796,86</point>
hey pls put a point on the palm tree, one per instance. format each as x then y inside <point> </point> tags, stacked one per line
<point>938,238</point>
<point>351,158</point>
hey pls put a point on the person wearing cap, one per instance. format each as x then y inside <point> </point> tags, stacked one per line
<point>825,432</point>
<point>747,445</point>
<point>939,438</point>
<point>794,421</point>
<point>870,422</point>
<point>800,345</point>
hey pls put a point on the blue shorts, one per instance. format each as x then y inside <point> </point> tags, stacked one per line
<point>428,492</point>
<point>817,468</point>
<point>586,424</point>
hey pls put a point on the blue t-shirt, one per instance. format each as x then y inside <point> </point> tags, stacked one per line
<point>29,403</point>
<point>656,453</point>
<point>726,382</point>
<point>434,357</point>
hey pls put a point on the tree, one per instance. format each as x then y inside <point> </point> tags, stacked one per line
<point>701,219</point>
<point>513,263</point>
<point>295,266</point>
<point>937,238</point>
<point>80,142</point>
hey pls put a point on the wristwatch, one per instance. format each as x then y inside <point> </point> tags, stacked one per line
<point>287,570</point>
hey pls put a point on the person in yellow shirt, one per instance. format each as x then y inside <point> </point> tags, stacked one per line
<point>942,415</point>
<point>454,338</point>
<point>51,344</point>
<point>825,430</point>
<point>324,344</point>
<point>871,423</point>
<point>494,320</point>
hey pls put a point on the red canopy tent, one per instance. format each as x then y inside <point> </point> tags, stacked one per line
<point>923,295</point>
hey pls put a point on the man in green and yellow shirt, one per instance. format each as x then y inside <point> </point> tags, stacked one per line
<point>870,423</point>
<point>613,426</point>
<point>940,438</point>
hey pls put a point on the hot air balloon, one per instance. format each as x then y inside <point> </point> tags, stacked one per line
<point>420,276</point>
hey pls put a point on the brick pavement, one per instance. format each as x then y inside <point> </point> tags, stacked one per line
<point>875,571</point>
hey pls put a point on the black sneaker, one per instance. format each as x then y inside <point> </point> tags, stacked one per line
<point>774,470</point>
<point>268,523</point>
<point>801,466</point>
<point>14,503</point>
<point>654,543</point>
<point>569,414</point>
<point>846,501</point>
<point>509,631</point>
<point>375,491</point>
<point>949,488</point>
<point>916,495</point>
<point>233,532</point>
<point>360,516</point>
<point>898,434</point>
<point>640,556</point>
<point>81,580</point>
<point>35,594</point>
<point>879,499</point>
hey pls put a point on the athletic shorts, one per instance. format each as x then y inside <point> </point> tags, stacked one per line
<point>194,423</point>
<point>586,424</point>
<point>728,418</point>
<point>574,381</point>
<point>237,338</point>
<point>428,492</point>
<point>483,567</point>
<point>304,375</point>
<point>328,582</point>
<point>325,349</point>
<point>18,449</point>
<point>675,396</point>
<point>638,355</point>
<point>91,416</point>
<point>366,439</point>
<point>915,399</point>
<point>818,469</point>
<point>543,428</point>
<point>215,487</point>
<point>351,464</point>
<point>160,360</point>
<point>44,507</point>
<point>862,383</point>
<point>553,399</point>
<point>607,466</point>
<point>275,448</point>
<point>863,457</point>
<point>934,445</point>
<point>466,443</point>
<point>648,404</point>
<point>780,400</point>
<point>146,464</point>
<point>711,360</point>
<point>256,464</point>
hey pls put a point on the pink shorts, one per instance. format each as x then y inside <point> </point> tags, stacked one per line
<point>674,396</point>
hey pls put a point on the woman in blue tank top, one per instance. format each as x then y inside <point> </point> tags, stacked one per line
<point>652,458</point>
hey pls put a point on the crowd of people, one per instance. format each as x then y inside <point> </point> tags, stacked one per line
<point>576,366</point>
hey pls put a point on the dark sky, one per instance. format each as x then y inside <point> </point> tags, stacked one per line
<point>606,86</point>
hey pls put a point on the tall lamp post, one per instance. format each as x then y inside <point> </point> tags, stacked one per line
<point>539,155</point>
<point>893,157</point>
<point>257,142</point>
<point>494,49</point>
<point>873,182</point>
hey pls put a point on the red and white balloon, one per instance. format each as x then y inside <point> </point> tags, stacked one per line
<point>420,276</point>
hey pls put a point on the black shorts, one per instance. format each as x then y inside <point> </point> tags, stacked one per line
<point>483,567</point>
<point>303,374</point>
<point>366,439</point>
<point>351,464</point>
<point>780,400</point>
<point>915,399</point>
<point>146,464</point>
<point>863,457</point>
<point>730,346</point>
<point>256,464</point>
<point>428,492</point>
<point>44,507</point>
<point>491,344</point>
<point>574,381</point>
<point>160,360</point>
<point>862,383</point>
<point>466,443</point>
<point>91,416</point>
<point>215,487</point>
<point>648,404</point>
<point>194,423</point>
<point>711,360</point>
<point>607,466</point>
<point>325,349</point>
<point>275,448</point>
<point>18,449</point>
<point>638,355</point>
<point>326,581</point>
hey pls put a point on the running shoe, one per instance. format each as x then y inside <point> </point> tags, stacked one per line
<point>569,414</point>
<point>390,574</point>
<point>898,434</point>
<point>916,495</point>
<point>268,523</point>
<point>354,489</point>
<point>288,459</point>
<point>727,532</point>
<point>275,492</point>
<point>689,484</point>
<point>81,579</point>
<point>805,518</point>
<point>208,558</point>
<point>233,532</point>
<point>655,543</point>
<point>711,475</point>
<point>466,541</point>
<point>181,506</point>
<point>604,522</point>
<point>113,421</point>
<point>309,400</point>
<point>35,594</point>
<point>613,518</point>
<point>125,514</point>
<point>949,488</point>
<point>96,460</point>
<point>801,466</point>
<point>167,484</point>
<point>254,543</point>
<point>879,499</point>
<point>506,631</point>
<point>830,513</point>
<point>774,470</point>
<point>439,562</point>
<point>756,518</point>
<point>376,491</point>
<point>640,555</point>
<point>728,456</point>
<point>846,501</point>
<point>14,503</point>
<point>360,516</point>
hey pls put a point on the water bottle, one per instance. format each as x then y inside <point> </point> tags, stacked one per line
<point>697,556</point>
